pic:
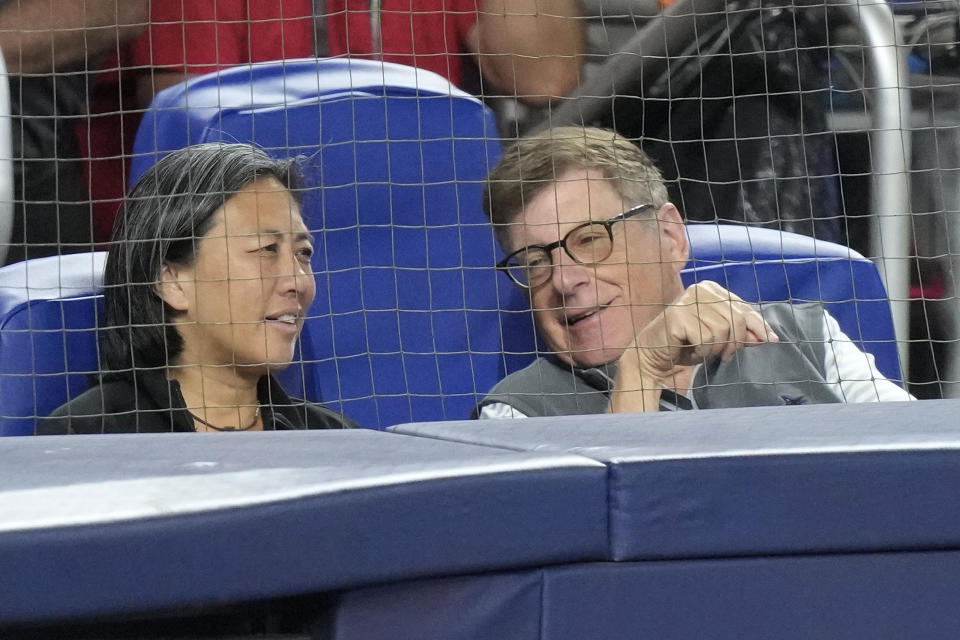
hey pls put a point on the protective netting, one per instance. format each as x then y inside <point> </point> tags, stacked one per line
<point>835,121</point>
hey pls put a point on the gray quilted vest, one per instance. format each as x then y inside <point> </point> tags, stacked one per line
<point>784,373</point>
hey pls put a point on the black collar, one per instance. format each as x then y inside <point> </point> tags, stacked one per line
<point>278,410</point>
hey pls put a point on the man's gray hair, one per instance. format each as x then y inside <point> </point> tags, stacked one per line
<point>536,162</point>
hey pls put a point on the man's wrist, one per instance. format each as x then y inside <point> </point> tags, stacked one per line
<point>636,389</point>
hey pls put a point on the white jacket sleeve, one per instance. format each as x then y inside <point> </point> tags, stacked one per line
<point>855,371</point>
<point>499,410</point>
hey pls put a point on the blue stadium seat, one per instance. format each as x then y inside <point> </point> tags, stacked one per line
<point>765,265</point>
<point>48,343</point>
<point>404,323</point>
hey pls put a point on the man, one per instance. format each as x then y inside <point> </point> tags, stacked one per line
<point>584,219</point>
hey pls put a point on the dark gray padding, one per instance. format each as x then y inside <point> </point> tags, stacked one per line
<point>114,525</point>
<point>767,480</point>
<point>891,596</point>
<point>490,606</point>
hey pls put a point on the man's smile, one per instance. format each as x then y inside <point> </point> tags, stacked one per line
<point>573,318</point>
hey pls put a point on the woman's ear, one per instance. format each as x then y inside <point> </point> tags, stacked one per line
<point>170,288</point>
<point>674,247</point>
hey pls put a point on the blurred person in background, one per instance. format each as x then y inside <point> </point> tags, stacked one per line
<point>584,219</point>
<point>526,48</point>
<point>530,49</point>
<point>206,288</point>
<point>50,48</point>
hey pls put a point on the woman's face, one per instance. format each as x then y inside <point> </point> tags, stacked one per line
<point>244,299</point>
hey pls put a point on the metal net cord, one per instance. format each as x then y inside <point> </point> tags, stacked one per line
<point>834,121</point>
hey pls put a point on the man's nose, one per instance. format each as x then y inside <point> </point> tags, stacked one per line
<point>568,274</point>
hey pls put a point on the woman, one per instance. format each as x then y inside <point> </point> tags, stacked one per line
<point>206,287</point>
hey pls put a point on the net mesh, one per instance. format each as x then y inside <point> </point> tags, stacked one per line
<point>823,138</point>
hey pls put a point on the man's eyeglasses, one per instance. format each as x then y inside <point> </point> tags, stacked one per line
<point>588,243</point>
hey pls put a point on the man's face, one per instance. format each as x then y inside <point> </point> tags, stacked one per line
<point>588,313</point>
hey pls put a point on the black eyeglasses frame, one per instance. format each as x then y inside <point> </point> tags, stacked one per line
<point>503,265</point>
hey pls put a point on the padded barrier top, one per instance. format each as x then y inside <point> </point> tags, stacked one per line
<point>880,596</point>
<point>759,481</point>
<point>96,525</point>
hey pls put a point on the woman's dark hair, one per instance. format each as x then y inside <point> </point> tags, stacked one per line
<point>169,208</point>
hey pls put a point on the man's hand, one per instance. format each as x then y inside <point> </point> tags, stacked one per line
<point>705,321</point>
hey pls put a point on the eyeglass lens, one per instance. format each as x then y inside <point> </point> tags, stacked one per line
<point>587,244</point>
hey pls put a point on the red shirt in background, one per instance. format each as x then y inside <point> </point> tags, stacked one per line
<point>201,36</point>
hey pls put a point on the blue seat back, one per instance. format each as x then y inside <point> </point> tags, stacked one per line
<point>764,265</point>
<point>405,325</point>
<point>48,343</point>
